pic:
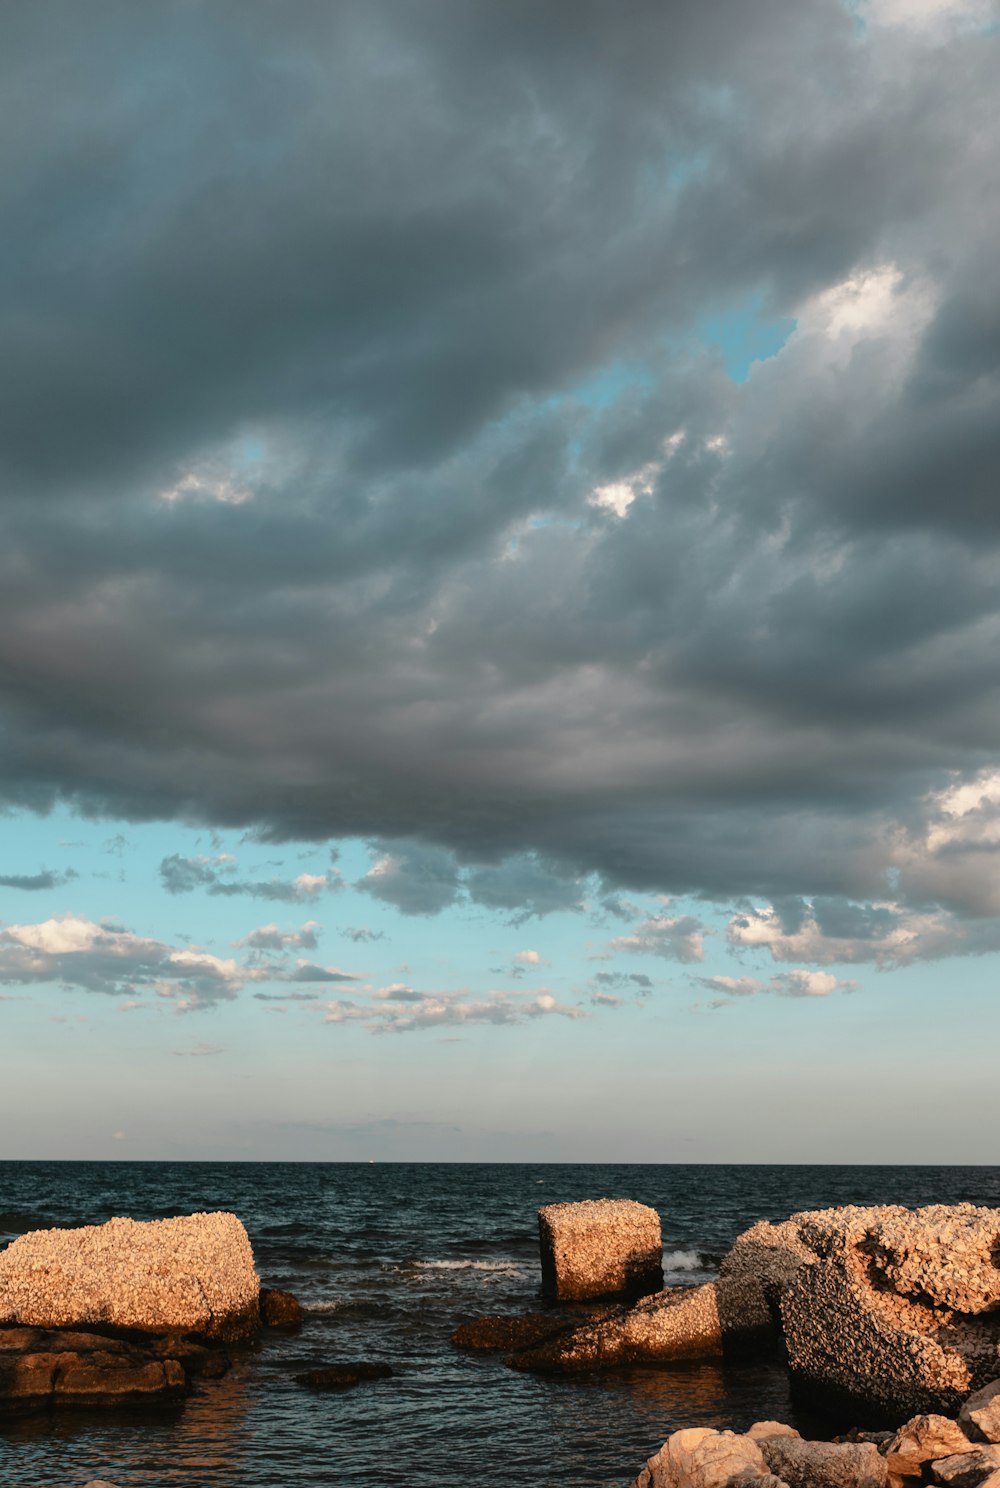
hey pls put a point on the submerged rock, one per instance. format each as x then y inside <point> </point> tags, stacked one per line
<point>41,1369</point>
<point>280,1309</point>
<point>600,1248</point>
<point>189,1275</point>
<point>495,1333</point>
<point>341,1376</point>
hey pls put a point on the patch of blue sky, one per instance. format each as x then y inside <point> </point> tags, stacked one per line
<point>744,335</point>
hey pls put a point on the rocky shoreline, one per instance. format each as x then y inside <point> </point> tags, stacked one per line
<point>894,1312</point>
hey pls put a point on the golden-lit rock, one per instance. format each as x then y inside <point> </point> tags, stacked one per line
<point>600,1248</point>
<point>194,1275</point>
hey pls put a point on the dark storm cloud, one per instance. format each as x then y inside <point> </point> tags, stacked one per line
<point>364,474</point>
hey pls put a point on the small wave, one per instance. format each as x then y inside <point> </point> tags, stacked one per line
<point>683,1260</point>
<point>512,1268</point>
<point>322,1308</point>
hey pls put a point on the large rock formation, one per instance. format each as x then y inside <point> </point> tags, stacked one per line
<point>600,1248</point>
<point>872,1315</point>
<point>191,1275</point>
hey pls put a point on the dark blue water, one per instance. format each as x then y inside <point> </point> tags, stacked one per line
<point>389,1259</point>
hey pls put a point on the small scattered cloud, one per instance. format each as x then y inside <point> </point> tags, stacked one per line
<point>199,1051</point>
<point>799,983</point>
<point>676,938</point>
<point>361,934</point>
<point>37,882</point>
<point>216,876</point>
<point>273,938</point>
<point>415,879</point>
<point>402,1010</point>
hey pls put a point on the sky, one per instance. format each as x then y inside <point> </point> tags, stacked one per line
<point>499,557</point>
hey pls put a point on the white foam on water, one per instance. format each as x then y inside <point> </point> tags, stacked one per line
<point>322,1307</point>
<point>682,1260</point>
<point>511,1267</point>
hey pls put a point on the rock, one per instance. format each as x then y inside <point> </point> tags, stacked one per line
<point>280,1309</point>
<point>967,1469</point>
<point>600,1248</point>
<point>341,1376</point>
<point>701,1458</point>
<point>809,1464</point>
<point>44,1369</point>
<point>981,1413</point>
<point>490,1334</point>
<point>847,1331</point>
<point>922,1440</point>
<point>189,1275</point>
<point>945,1254</point>
<point>680,1323</point>
<point>761,1429</point>
<point>754,1273</point>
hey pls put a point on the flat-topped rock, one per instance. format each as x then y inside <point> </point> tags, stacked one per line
<point>193,1274</point>
<point>600,1248</point>
<point>44,1369</point>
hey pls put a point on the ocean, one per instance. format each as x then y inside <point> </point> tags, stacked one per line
<point>388,1259</point>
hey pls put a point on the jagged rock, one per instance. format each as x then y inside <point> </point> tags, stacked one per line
<point>849,1333</point>
<point>945,1254</point>
<point>810,1464</point>
<point>922,1440</point>
<point>280,1309</point>
<point>189,1275</point>
<point>675,1324</point>
<point>967,1469</point>
<point>341,1376</point>
<point>981,1413</point>
<point>702,1458</point>
<point>600,1248</point>
<point>491,1334</point>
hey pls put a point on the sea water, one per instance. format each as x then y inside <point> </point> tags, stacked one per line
<point>388,1259</point>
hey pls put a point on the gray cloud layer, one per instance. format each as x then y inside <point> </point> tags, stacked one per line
<point>303,312</point>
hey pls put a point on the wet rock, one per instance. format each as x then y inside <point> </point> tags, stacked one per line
<point>922,1440</point>
<point>494,1333</point>
<point>600,1248</point>
<point>194,1275</point>
<point>280,1309</point>
<point>981,1413</point>
<point>50,1370</point>
<point>810,1464</point>
<point>702,1458</point>
<point>341,1376</point>
<point>681,1323</point>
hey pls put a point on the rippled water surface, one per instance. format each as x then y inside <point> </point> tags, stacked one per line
<point>389,1259</point>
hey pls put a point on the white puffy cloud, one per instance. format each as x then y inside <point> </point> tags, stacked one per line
<point>799,983</point>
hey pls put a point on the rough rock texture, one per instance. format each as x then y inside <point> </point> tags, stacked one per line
<point>494,1333</point>
<point>980,1414</point>
<point>922,1440</point>
<point>847,1330</point>
<point>280,1309</point>
<point>967,1469</point>
<point>811,1464</point>
<point>701,1458</point>
<point>760,1429</point>
<point>341,1376</point>
<point>600,1248</point>
<point>189,1275</point>
<point>753,1276</point>
<point>41,1369</point>
<point>680,1323</point>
